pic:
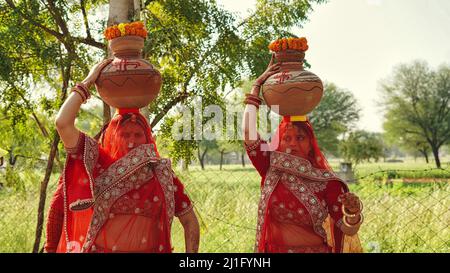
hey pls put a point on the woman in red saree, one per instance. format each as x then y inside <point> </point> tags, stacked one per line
<point>116,194</point>
<point>302,201</point>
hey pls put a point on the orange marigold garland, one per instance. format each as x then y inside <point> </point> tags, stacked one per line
<point>125,29</point>
<point>300,44</point>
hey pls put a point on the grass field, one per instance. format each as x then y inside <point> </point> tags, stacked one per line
<point>399,217</point>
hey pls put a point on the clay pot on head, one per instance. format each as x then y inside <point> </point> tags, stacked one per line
<point>128,81</point>
<point>296,91</point>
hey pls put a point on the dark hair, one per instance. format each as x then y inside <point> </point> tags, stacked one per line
<point>100,134</point>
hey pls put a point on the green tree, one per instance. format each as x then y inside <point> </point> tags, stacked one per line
<point>361,145</point>
<point>417,104</point>
<point>336,114</point>
<point>203,147</point>
<point>22,150</point>
<point>409,143</point>
<point>226,147</point>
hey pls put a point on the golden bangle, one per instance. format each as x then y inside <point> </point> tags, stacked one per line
<point>361,220</point>
<point>352,215</point>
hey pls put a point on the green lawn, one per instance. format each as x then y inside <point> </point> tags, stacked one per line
<point>399,217</point>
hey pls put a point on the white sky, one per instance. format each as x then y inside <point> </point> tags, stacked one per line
<point>356,43</point>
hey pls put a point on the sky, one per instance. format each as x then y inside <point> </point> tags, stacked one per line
<point>357,43</point>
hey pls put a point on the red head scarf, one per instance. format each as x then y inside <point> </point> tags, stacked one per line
<point>125,131</point>
<point>312,152</point>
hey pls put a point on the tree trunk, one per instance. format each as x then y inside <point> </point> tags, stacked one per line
<point>200,159</point>
<point>221,158</point>
<point>43,192</point>
<point>184,165</point>
<point>12,158</point>
<point>425,155</point>
<point>58,160</point>
<point>204,155</point>
<point>436,156</point>
<point>243,159</point>
<point>121,11</point>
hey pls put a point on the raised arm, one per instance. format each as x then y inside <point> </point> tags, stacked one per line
<point>252,102</point>
<point>65,119</point>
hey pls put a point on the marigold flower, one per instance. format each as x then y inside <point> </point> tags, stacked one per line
<point>284,44</point>
<point>300,44</point>
<point>278,46</point>
<point>124,29</point>
<point>290,42</point>
<point>121,27</point>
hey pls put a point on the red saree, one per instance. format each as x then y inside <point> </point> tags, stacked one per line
<point>299,209</point>
<point>114,199</point>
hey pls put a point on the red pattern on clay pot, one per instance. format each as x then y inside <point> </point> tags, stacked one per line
<point>128,81</point>
<point>296,91</point>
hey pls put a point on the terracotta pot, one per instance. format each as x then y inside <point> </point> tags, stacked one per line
<point>295,90</point>
<point>128,81</point>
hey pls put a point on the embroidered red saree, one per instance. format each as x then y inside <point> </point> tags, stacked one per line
<point>299,209</point>
<point>114,195</point>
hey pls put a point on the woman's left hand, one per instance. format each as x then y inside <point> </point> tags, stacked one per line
<point>351,203</point>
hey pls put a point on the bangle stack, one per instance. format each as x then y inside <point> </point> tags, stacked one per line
<point>253,100</point>
<point>82,90</point>
<point>361,220</point>
<point>346,214</point>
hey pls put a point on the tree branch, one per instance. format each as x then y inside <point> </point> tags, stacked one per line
<point>28,104</point>
<point>60,36</point>
<point>90,41</point>
<point>86,23</point>
<point>147,2</point>
<point>56,34</point>
<point>166,109</point>
<point>58,17</point>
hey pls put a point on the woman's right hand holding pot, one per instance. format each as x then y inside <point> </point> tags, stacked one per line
<point>271,70</point>
<point>95,71</point>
